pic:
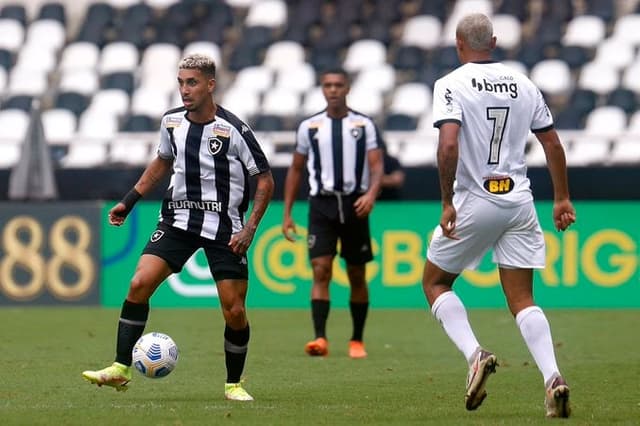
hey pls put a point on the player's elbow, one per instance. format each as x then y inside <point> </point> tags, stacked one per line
<point>448,148</point>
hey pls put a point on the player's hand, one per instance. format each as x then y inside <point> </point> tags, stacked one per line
<point>241,241</point>
<point>289,229</point>
<point>563,214</point>
<point>363,205</point>
<point>448,222</point>
<point>118,214</point>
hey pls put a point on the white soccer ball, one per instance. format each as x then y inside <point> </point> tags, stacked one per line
<point>155,355</point>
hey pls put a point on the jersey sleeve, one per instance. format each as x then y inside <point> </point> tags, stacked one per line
<point>302,139</point>
<point>374,138</point>
<point>165,150</point>
<point>542,119</point>
<point>446,105</point>
<point>250,152</point>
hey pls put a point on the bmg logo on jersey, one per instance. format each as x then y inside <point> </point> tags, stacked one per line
<point>499,87</point>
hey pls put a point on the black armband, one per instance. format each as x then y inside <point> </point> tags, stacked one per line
<point>131,199</point>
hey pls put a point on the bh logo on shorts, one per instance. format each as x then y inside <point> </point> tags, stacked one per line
<point>155,237</point>
<point>499,185</point>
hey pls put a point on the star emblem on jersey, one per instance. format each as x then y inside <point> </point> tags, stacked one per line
<point>215,146</point>
<point>156,236</point>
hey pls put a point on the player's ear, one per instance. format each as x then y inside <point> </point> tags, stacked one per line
<point>459,43</point>
<point>211,85</point>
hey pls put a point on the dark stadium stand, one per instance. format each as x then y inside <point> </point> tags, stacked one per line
<point>116,59</point>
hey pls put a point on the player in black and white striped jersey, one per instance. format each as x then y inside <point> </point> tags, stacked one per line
<point>343,156</point>
<point>211,164</point>
<point>211,155</point>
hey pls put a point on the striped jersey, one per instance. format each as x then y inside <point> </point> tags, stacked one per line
<point>496,108</point>
<point>209,190</point>
<point>336,150</point>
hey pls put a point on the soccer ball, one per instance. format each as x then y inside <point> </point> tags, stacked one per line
<point>155,355</point>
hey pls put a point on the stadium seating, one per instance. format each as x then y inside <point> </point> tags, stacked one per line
<point>561,81</point>
<point>59,125</point>
<point>585,31</point>
<point>313,101</point>
<point>118,58</point>
<point>79,55</point>
<point>588,151</point>
<point>14,123</point>
<point>626,151</point>
<point>508,31</point>
<point>130,152</point>
<point>411,98</point>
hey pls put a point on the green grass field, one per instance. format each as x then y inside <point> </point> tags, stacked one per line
<point>413,374</point>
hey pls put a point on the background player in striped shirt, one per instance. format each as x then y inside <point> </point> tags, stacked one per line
<point>343,156</point>
<point>211,154</point>
<point>484,112</point>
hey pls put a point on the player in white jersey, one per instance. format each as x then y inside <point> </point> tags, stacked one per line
<point>342,151</point>
<point>484,112</point>
<point>211,154</point>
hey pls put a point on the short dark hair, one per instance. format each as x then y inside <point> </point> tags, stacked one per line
<point>336,70</point>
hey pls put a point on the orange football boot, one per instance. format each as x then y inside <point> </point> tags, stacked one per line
<point>317,347</point>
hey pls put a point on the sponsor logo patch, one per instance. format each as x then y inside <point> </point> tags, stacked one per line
<point>448,100</point>
<point>510,88</point>
<point>311,240</point>
<point>172,122</point>
<point>221,130</point>
<point>211,206</point>
<point>499,185</point>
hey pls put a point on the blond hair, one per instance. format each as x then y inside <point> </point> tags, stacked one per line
<point>476,30</point>
<point>202,63</point>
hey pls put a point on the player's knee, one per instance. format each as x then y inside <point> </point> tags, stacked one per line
<point>356,275</point>
<point>321,273</point>
<point>139,290</point>
<point>235,313</point>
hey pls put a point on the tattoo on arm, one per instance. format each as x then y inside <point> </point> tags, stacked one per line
<point>259,207</point>
<point>261,199</point>
<point>447,164</point>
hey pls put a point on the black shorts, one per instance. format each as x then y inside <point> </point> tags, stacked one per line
<point>333,217</point>
<point>176,246</point>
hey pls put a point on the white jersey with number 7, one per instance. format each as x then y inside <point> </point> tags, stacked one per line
<point>496,108</point>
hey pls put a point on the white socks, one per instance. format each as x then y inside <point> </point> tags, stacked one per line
<point>536,332</point>
<point>534,327</point>
<point>450,312</point>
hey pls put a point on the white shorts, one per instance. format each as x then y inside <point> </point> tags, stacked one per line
<point>513,233</point>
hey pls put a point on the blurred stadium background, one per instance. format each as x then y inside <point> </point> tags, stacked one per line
<point>103,73</point>
<point>99,75</point>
